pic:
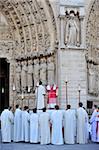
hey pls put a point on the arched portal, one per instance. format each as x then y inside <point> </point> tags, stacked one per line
<point>30,44</point>
<point>4,83</point>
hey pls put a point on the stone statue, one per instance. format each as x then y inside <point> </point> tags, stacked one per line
<point>96,79</point>
<point>43,70</point>
<point>91,77</point>
<point>30,74</point>
<point>72,31</point>
<point>36,71</point>
<point>51,70</point>
<point>24,76</point>
<point>18,76</point>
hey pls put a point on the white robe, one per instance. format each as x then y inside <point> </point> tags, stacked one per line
<point>82,126</point>
<point>97,127</point>
<point>87,129</point>
<point>17,125</point>
<point>6,122</point>
<point>25,126</point>
<point>57,124</point>
<point>93,126</point>
<point>69,126</point>
<point>44,122</point>
<point>40,92</point>
<point>34,123</point>
<point>12,126</point>
<point>22,126</point>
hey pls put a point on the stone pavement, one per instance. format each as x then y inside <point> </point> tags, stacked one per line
<point>27,146</point>
<point>24,146</point>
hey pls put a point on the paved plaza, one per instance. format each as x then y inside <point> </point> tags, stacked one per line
<point>27,146</point>
<point>24,146</point>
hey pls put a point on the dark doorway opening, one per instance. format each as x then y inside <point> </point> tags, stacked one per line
<point>4,84</point>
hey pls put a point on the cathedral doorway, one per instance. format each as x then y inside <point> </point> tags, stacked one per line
<point>4,83</point>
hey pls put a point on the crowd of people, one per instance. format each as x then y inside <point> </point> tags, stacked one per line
<point>49,126</point>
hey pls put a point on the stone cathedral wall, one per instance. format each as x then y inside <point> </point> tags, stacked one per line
<point>76,44</point>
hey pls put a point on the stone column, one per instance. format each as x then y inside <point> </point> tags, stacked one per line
<point>62,45</point>
<point>82,26</point>
<point>82,32</point>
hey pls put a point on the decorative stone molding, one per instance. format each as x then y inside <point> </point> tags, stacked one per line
<point>92,56</point>
<point>92,37</point>
<point>27,16</point>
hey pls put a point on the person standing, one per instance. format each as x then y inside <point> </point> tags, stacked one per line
<point>82,125</point>
<point>93,124</point>
<point>34,125</point>
<point>17,124</point>
<point>52,92</point>
<point>6,122</point>
<point>69,125</point>
<point>97,125</point>
<point>40,93</point>
<point>12,123</point>
<point>44,122</point>
<point>57,124</point>
<point>25,125</point>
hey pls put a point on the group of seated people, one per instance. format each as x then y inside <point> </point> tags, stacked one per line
<point>47,127</point>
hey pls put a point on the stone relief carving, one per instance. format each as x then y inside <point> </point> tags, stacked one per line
<point>72,30</point>
<point>92,79</point>
<point>33,69</point>
<point>30,74</point>
<point>51,70</point>
<point>92,31</point>
<point>18,76</point>
<point>24,76</point>
<point>91,43</point>
<point>43,72</point>
<point>36,71</point>
<point>6,47</point>
<point>30,70</point>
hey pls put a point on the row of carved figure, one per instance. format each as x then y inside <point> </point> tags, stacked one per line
<point>29,72</point>
<point>93,79</point>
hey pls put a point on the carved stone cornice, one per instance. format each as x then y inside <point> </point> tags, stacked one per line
<point>35,55</point>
